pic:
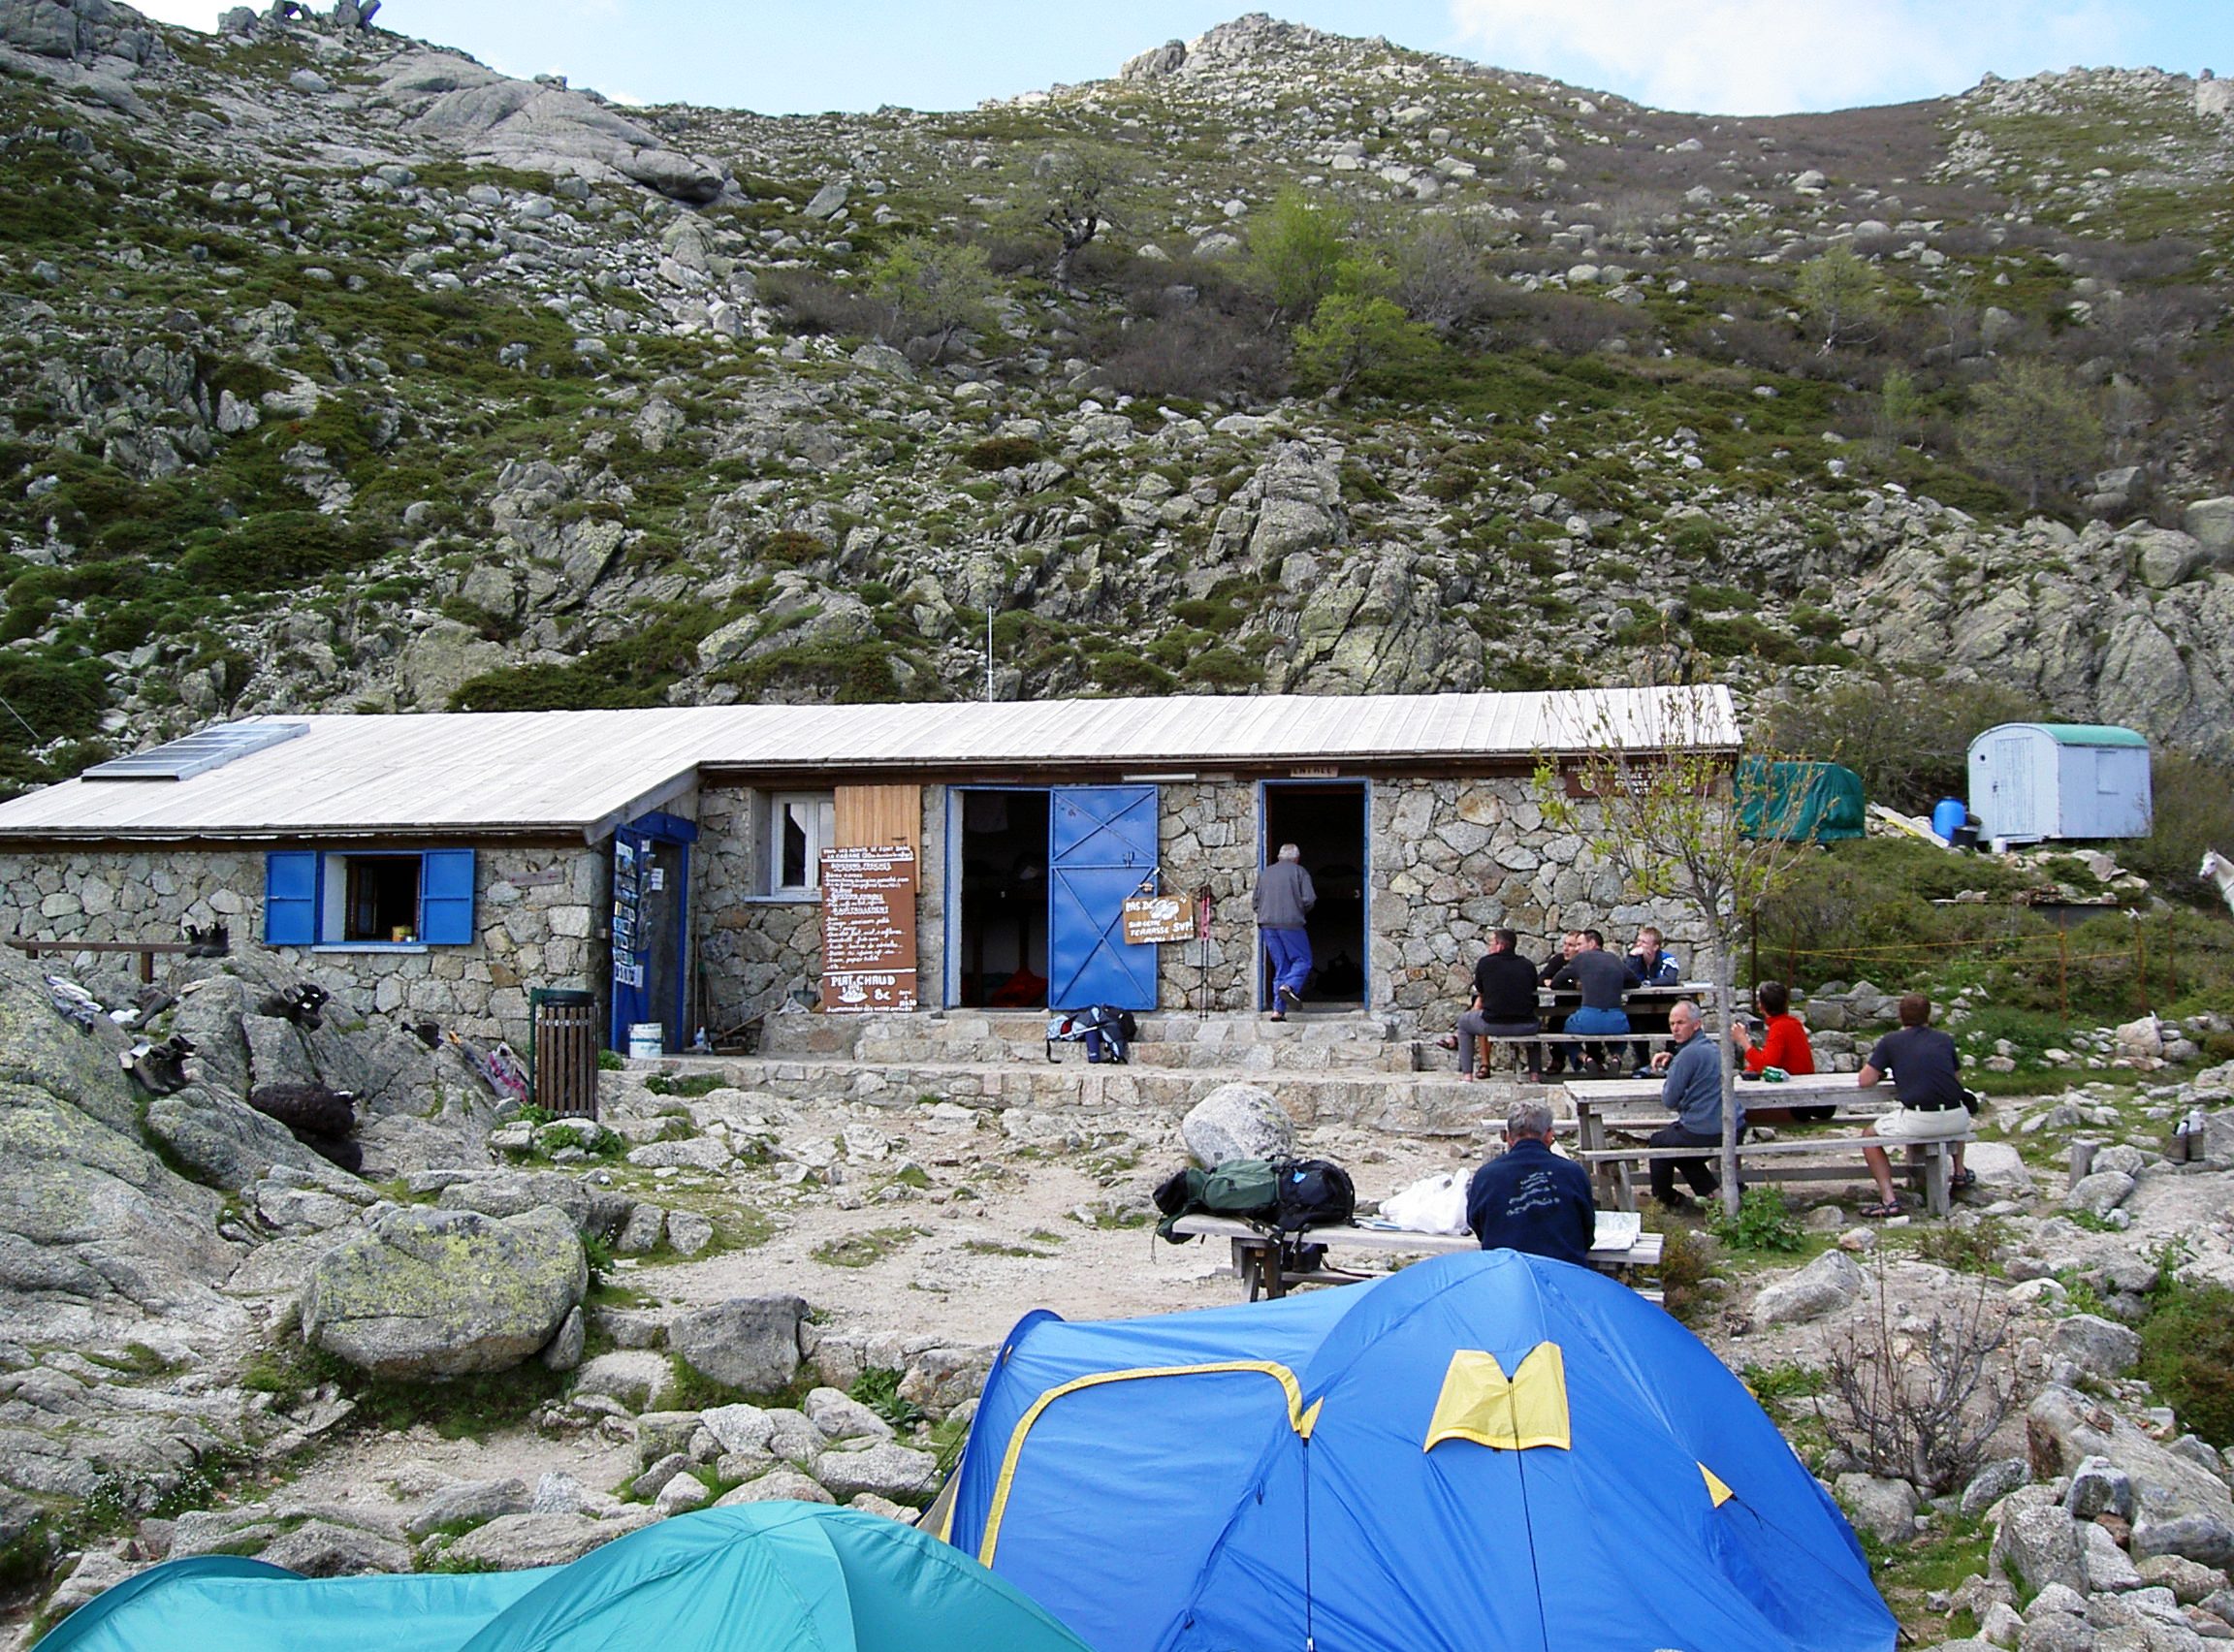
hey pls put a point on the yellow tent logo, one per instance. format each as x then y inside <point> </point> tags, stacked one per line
<point>1480,1403</point>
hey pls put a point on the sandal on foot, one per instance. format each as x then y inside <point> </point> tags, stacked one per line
<point>1961,1179</point>
<point>1448,1041</point>
<point>1878,1211</point>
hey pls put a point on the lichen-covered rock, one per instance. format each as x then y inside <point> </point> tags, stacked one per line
<point>1239,1121</point>
<point>469,1501</point>
<point>751,1343</point>
<point>785,1484</point>
<point>2179,1506</point>
<point>886,1469</point>
<point>441,1293</point>
<point>2040,1543</point>
<point>1827,1282</point>
<point>513,1543</point>
<point>2098,1347</point>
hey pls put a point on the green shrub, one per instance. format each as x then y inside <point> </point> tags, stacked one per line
<point>1762,1224</point>
<point>276,549</point>
<point>2188,1354</point>
<point>878,1389</point>
<point>1001,453</point>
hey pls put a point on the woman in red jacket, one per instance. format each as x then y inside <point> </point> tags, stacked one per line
<point>1783,1042</point>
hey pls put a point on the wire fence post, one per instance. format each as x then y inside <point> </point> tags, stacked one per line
<point>2063,973</point>
<point>2171,956</point>
<point>2141,968</point>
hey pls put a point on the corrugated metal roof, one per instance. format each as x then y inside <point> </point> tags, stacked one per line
<point>515,772</point>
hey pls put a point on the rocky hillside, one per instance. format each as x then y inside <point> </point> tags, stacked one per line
<point>340,371</point>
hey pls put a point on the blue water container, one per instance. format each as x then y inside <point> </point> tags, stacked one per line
<point>1947,814</point>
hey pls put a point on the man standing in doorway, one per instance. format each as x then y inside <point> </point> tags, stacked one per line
<point>1283,901</point>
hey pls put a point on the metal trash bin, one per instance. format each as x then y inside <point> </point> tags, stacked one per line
<point>565,1052</point>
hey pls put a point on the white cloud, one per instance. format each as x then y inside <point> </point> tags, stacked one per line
<point>1773,56</point>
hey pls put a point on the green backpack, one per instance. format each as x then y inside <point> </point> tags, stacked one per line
<point>1239,1186</point>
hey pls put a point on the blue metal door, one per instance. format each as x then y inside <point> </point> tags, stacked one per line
<point>1101,847</point>
<point>652,927</point>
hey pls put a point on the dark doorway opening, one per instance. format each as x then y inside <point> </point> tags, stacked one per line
<point>1326,821</point>
<point>1004,902</point>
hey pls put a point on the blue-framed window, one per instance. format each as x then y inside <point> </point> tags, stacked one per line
<point>368,898</point>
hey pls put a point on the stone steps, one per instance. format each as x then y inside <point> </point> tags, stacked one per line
<point>1218,1043</point>
<point>1427,1103</point>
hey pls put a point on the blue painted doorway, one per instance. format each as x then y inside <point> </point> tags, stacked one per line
<point>1101,848</point>
<point>650,979</point>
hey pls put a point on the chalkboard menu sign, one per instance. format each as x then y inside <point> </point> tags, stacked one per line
<point>868,929</point>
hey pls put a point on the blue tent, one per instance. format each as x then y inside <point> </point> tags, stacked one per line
<point>762,1577</point>
<point>1487,1451</point>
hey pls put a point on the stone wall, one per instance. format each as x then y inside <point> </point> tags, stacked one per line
<point>753,945</point>
<point>540,931</point>
<point>1451,861</point>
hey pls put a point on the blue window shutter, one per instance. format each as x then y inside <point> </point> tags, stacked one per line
<point>291,898</point>
<point>446,897</point>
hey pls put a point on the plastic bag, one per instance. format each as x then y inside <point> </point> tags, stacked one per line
<point>1433,1204</point>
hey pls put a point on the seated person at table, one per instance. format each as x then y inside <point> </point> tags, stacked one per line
<point>1601,978</point>
<point>1781,1044</point>
<point>1529,1198</point>
<point>1550,1058</point>
<point>1649,966</point>
<point>1693,1093</point>
<point>1504,1000</point>
<point>1926,1070</point>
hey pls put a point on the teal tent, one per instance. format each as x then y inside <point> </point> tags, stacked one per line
<point>1798,802</point>
<point>1483,1451</point>
<point>761,1577</point>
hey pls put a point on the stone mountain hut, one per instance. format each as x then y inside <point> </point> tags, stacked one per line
<point>673,860</point>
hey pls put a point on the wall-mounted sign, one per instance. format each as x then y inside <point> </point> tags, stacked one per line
<point>1152,919</point>
<point>542,879</point>
<point>1316,772</point>
<point>868,929</point>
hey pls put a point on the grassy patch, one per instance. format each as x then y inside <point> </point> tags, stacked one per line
<point>2188,1353</point>
<point>997,1248</point>
<point>696,1085</point>
<point>864,1250</point>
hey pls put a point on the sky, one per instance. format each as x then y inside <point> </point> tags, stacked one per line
<point>1711,56</point>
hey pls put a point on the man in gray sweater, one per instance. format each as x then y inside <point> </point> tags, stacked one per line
<point>1283,901</point>
<point>1693,1093</point>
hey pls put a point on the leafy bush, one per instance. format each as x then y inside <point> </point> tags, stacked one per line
<point>2188,1354</point>
<point>1763,1222</point>
<point>878,1389</point>
<point>274,549</point>
<point>1001,453</point>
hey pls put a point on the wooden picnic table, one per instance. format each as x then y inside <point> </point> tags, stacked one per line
<point>1636,1101</point>
<point>1256,1253</point>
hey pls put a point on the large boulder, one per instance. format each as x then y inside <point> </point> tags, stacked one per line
<point>223,1141</point>
<point>749,1343</point>
<point>1824,1285</point>
<point>1239,1121</point>
<point>886,1469</point>
<point>1885,1508</point>
<point>441,1292</point>
<point>2179,1506</point>
<point>2097,1347</point>
<point>514,1542</point>
<point>2038,1542</point>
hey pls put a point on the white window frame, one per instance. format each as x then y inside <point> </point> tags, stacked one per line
<point>820,817</point>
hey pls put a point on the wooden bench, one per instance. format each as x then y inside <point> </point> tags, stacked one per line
<point>147,949</point>
<point>1929,1163</point>
<point>1257,1263</point>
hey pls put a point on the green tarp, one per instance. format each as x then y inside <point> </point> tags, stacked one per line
<point>1798,802</point>
<point>761,1577</point>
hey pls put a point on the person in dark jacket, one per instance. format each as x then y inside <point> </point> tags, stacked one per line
<point>1528,1198</point>
<point>1504,1000</point>
<point>1282,900</point>
<point>1550,1058</point>
<point>1926,1070</point>
<point>1601,978</point>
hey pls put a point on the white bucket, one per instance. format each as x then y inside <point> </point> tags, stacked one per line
<point>646,1041</point>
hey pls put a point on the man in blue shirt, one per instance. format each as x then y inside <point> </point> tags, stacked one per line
<point>1693,1093</point>
<point>1528,1198</point>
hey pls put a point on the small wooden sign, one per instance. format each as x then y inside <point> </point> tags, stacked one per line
<point>869,931</point>
<point>1152,919</point>
<point>542,879</point>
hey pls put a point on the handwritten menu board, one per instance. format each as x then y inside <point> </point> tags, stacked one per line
<point>868,929</point>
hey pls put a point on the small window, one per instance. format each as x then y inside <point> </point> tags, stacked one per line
<point>381,898</point>
<point>801,825</point>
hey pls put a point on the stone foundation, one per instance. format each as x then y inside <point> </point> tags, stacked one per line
<point>536,913</point>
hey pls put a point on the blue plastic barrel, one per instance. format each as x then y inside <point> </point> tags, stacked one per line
<point>1947,815</point>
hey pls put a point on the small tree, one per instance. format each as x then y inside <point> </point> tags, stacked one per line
<point>2034,426</point>
<point>1077,191</point>
<point>1297,252</point>
<point>1921,1402</point>
<point>1655,778</point>
<point>1358,339</point>
<point>936,288</point>
<point>1842,296</point>
<point>1896,411</point>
